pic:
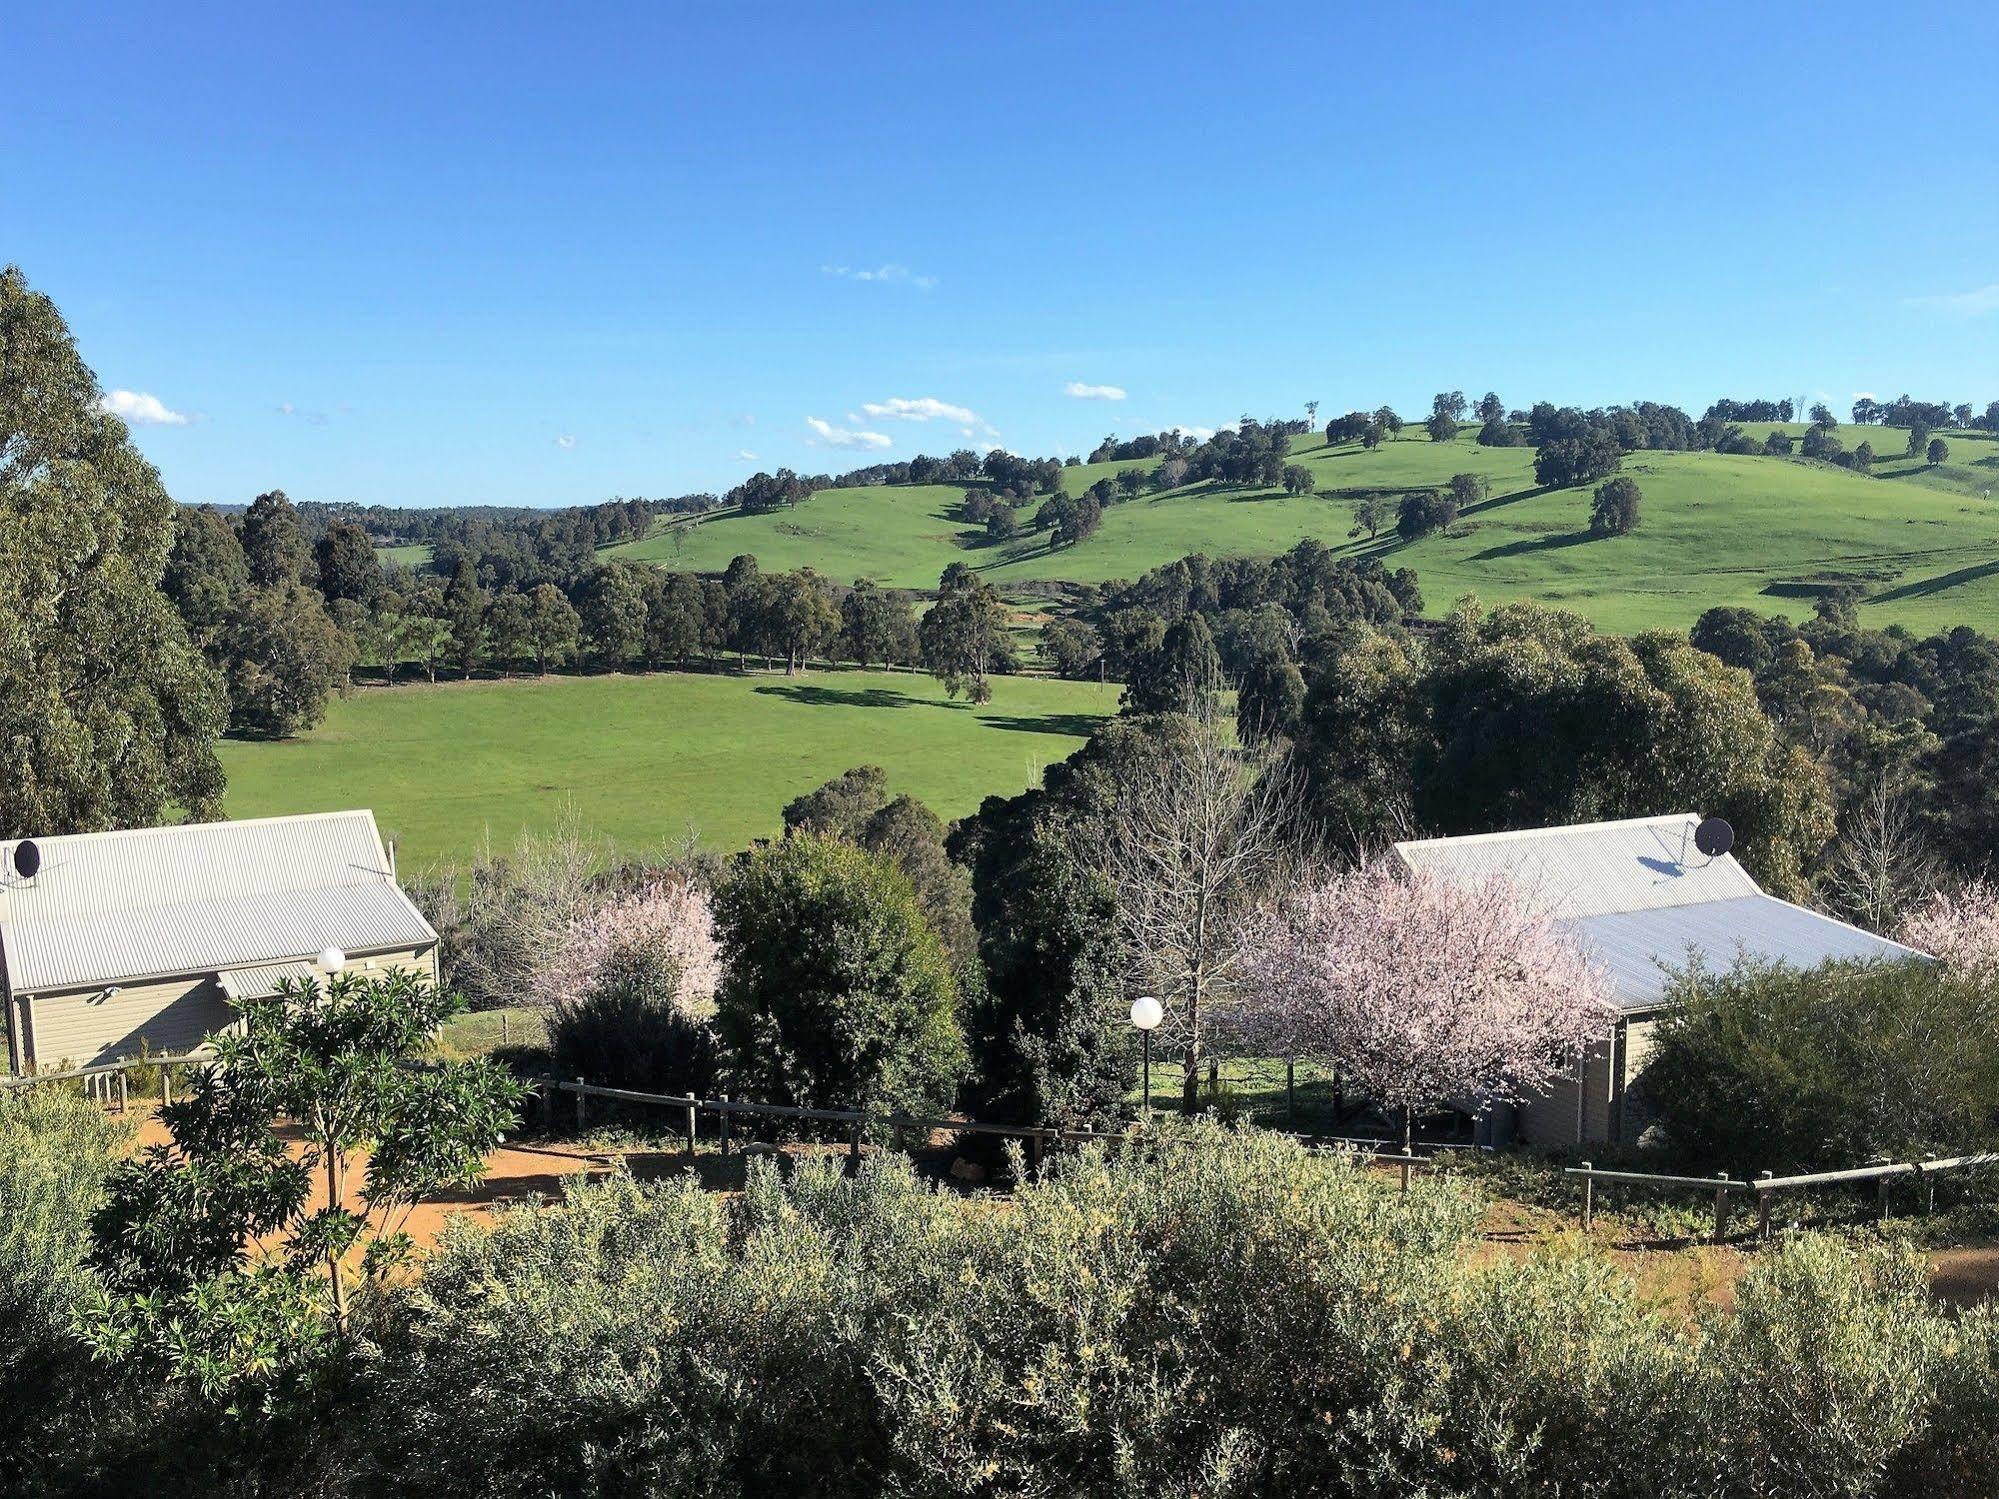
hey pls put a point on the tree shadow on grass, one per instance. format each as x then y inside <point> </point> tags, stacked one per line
<point>1076,725</point>
<point>1529,545</point>
<point>815,695</point>
<point>1942,582</point>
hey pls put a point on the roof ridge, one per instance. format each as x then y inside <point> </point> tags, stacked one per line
<point>190,827</point>
<point>1663,819</point>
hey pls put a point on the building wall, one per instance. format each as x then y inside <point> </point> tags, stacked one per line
<point>82,1028</point>
<point>1614,1106</point>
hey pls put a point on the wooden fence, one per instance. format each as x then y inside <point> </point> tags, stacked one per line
<point>899,1126</point>
<point>108,1080</point>
<point>1768,1186</point>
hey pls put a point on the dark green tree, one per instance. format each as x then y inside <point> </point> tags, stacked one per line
<point>837,993</point>
<point>273,542</point>
<point>346,563</point>
<point>555,628</point>
<point>207,576</point>
<point>1613,510</point>
<point>964,635</point>
<point>108,714</point>
<point>284,657</point>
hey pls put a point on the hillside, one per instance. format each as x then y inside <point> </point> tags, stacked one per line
<point>650,759</point>
<point>1717,529</point>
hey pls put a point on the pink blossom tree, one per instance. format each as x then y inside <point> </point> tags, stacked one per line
<point>1959,926</point>
<point>667,921</point>
<point>1423,991</point>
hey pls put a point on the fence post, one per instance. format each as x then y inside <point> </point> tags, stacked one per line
<point>1214,1081</point>
<point>1405,1175</point>
<point>1721,1207</point>
<point>166,1086</point>
<point>1589,1198</point>
<point>854,1143</point>
<point>124,1101</point>
<point>549,1094</point>
<point>1930,1182</point>
<point>691,1125</point>
<point>581,1100</point>
<point>1882,1192</point>
<point>1763,1206</point>
<point>724,1101</point>
<point>504,1029</point>
<point>1290,1092</point>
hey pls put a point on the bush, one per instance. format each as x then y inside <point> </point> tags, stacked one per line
<point>1222,1314</point>
<point>55,1150</point>
<point>1772,1068</point>
<point>630,1029</point>
<point>837,993</point>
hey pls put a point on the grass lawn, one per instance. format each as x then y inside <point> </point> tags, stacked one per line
<point>1753,531</point>
<point>650,759</point>
<point>409,556</point>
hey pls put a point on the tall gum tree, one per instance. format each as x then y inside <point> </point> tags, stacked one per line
<point>108,714</point>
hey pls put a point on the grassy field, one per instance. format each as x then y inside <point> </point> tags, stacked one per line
<point>650,759</point>
<point>1753,531</point>
<point>409,556</point>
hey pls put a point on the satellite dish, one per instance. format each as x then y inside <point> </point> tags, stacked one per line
<point>27,859</point>
<point>1714,837</point>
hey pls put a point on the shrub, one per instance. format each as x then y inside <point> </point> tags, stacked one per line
<point>55,1150</point>
<point>632,1029</point>
<point>1772,1068</point>
<point>837,992</point>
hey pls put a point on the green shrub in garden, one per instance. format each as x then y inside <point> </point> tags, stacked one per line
<point>1765,1067</point>
<point>837,993</point>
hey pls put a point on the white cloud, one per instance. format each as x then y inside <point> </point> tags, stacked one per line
<point>830,436</point>
<point>1084,392</point>
<point>922,409</point>
<point>1199,434</point>
<point>1865,395</point>
<point>316,418</point>
<point>746,455</point>
<point>141,409</point>
<point>883,273</point>
<point>1975,303</point>
<point>566,441</point>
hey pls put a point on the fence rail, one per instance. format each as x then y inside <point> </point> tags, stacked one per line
<point>96,1079</point>
<point>1037,1137</point>
<point>1767,1186</point>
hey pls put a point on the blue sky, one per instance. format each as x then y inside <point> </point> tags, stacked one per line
<point>545,254</point>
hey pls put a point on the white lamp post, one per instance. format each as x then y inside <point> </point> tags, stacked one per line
<point>331,960</point>
<point>1146,1014</point>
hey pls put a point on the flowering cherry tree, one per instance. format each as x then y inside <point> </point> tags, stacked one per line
<point>1959,926</point>
<point>668,919</point>
<point>1424,992</point>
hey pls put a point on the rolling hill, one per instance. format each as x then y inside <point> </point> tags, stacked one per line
<point>1756,531</point>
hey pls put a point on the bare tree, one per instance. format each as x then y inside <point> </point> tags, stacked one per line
<point>1195,841</point>
<point>1881,867</point>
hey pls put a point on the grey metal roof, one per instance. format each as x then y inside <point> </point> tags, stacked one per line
<point>200,898</point>
<point>1644,900</point>
<point>1590,868</point>
<point>1638,947</point>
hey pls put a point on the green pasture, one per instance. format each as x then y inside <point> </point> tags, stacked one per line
<point>1755,531</point>
<point>649,760</point>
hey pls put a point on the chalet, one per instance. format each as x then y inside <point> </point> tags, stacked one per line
<point>110,940</point>
<point>1643,900</point>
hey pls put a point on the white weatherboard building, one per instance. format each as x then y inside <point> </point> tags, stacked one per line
<point>145,936</point>
<point>1642,900</point>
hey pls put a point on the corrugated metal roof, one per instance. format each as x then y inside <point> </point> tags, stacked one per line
<point>200,898</point>
<point>1638,947</point>
<point>1644,900</point>
<point>1591,868</point>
